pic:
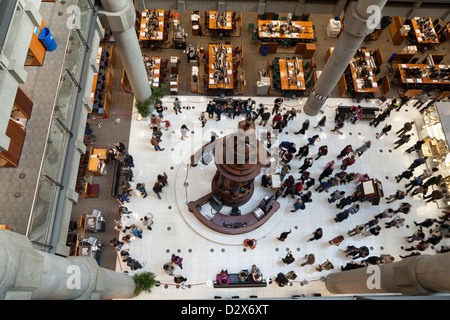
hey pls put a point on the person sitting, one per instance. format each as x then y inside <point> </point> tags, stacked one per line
<point>256,274</point>
<point>223,278</point>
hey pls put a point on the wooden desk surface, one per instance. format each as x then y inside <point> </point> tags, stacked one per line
<point>287,75</point>
<point>305,30</point>
<point>153,69</point>
<point>425,80</point>
<point>143,27</point>
<point>95,157</point>
<point>213,21</point>
<point>212,59</point>
<point>420,35</point>
<point>94,84</point>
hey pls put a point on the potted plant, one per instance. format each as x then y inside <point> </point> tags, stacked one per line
<point>158,93</point>
<point>144,282</point>
<point>143,108</point>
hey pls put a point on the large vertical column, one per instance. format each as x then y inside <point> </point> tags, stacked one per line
<point>358,22</point>
<point>28,274</point>
<point>120,16</point>
<point>419,275</point>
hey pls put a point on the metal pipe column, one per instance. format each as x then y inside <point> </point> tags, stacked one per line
<point>120,16</point>
<point>418,275</point>
<point>358,22</point>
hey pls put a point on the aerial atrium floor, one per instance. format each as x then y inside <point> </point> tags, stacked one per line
<point>206,252</point>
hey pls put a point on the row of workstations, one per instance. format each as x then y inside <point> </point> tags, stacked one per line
<point>422,32</point>
<point>103,82</point>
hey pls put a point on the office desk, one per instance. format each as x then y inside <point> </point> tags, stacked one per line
<point>421,37</point>
<point>225,84</point>
<point>289,79</point>
<point>156,16</point>
<point>300,30</point>
<point>153,65</point>
<point>97,161</point>
<point>214,21</point>
<point>94,84</point>
<point>421,80</point>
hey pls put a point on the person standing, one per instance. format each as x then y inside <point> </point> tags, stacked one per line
<point>345,152</point>
<point>348,162</point>
<point>210,109</point>
<point>380,117</point>
<point>289,258</point>
<point>429,104</point>
<point>260,112</point>
<point>277,105</point>
<point>177,260</point>
<point>422,99</point>
<point>398,195</point>
<point>155,144</point>
<point>202,119</point>
<point>407,174</point>
<point>307,163</point>
<point>326,172</point>
<point>302,152</point>
<point>265,118</point>
<point>177,106</point>
<point>218,110</point>
<point>407,126</point>
<point>384,131</point>
<point>336,195</point>
<point>356,230</point>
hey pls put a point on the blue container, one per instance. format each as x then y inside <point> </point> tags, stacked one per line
<point>47,39</point>
<point>264,50</point>
<point>392,57</point>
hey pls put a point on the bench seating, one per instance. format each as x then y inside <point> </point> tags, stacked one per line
<point>369,113</point>
<point>236,284</point>
<point>115,192</point>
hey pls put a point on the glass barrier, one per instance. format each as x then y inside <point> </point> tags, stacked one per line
<point>47,190</point>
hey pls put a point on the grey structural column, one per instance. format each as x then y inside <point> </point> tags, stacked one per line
<point>120,16</point>
<point>29,274</point>
<point>356,27</point>
<point>417,275</point>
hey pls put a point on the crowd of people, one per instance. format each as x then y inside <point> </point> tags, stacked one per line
<point>336,171</point>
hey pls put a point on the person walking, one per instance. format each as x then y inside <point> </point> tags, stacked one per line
<point>276,105</point>
<point>380,117</point>
<point>417,162</point>
<point>429,104</point>
<point>326,172</point>
<point>327,265</point>
<point>336,241</point>
<point>305,127</point>
<point>157,189</point>
<point>398,195</point>
<point>323,151</point>
<point>289,258</point>
<point>264,119</point>
<point>177,260</point>
<point>317,234</point>
<point>348,162</point>
<point>312,140</point>
<point>339,124</point>
<point>141,188</point>
<point>363,148</point>
<point>426,223</point>
<point>321,123</point>
<point>388,213</point>
<point>284,235</point>
<point>396,222</point>
<point>416,147</point>
<point>336,195</point>
<point>310,259</point>
<point>404,139</point>
<point>424,97</point>
<point>147,221</point>
<point>155,143</point>
<point>345,152</point>
<point>435,195</point>
<point>407,174</point>
<point>307,163</point>
<point>302,152</point>
<point>356,230</point>
<point>384,131</point>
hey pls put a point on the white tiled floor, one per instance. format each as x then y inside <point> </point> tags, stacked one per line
<point>206,252</point>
